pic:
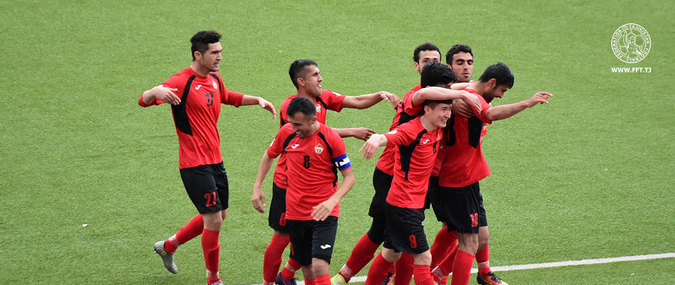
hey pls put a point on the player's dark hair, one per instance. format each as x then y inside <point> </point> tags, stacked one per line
<point>499,71</point>
<point>201,40</point>
<point>424,47</point>
<point>457,49</point>
<point>303,105</point>
<point>433,103</point>
<point>297,69</point>
<point>435,74</point>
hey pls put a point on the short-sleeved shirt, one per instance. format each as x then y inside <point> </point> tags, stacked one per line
<point>460,161</point>
<point>328,100</point>
<point>196,117</point>
<point>416,150</point>
<point>403,114</point>
<point>312,164</point>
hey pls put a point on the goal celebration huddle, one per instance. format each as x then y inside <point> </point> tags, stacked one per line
<point>431,158</point>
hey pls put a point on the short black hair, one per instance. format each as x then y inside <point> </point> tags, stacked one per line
<point>201,40</point>
<point>457,49</point>
<point>303,105</point>
<point>297,69</point>
<point>423,47</point>
<point>499,71</point>
<point>433,103</point>
<point>435,74</point>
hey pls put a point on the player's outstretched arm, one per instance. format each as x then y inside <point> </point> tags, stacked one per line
<point>372,144</point>
<point>160,92</point>
<point>462,85</point>
<point>323,210</point>
<point>359,133</point>
<point>504,111</point>
<point>368,100</point>
<point>253,100</point>
<point>258,197</point>
<point>440,93</point>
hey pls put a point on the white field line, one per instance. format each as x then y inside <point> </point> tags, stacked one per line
<point>557,264</point>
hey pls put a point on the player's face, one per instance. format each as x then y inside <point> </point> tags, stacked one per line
<point>210,59</point>
<point>462,66</point>
<point>439,115</point>
<point>495,91</point>
<point>311,82</point>
<point>427,56</point>
<point>302,124</point>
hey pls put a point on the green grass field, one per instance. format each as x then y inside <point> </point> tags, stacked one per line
<point>587,176</point>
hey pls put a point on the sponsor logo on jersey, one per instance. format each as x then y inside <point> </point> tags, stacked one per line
<point>393,132</point>
<point>326,246</point>
<point>198,86</point>
<point>425,141</point>
<point>318,149</point>
<point>295,145</point>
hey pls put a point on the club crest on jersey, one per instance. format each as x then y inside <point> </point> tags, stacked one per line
<point>318,109</point>
<point>438,138</point>
<point>215,85</point>
<point>318,149</point>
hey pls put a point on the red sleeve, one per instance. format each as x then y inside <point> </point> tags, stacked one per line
<point>176,81</point>
<point>484,105</point>
<point>400,135</point>
<point>142,104</point>
<point>277,145</point>
<point>232,98</point>
<point>333,100</point>
<point>407,102</point>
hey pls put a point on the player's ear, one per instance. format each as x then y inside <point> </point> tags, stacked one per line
<point>198,55</point>
<point>492,83</point>
<point>301,82</point>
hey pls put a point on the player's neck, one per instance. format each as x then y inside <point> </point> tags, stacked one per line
<point>480,88</point>
<point>426,123</point>
<point>199,69</point>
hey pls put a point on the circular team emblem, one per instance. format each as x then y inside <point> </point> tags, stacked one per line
<point>631,43</point>
<point>215,86</point>
<point>318,149</point>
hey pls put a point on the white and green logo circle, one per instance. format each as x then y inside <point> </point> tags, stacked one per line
<point>631,43</point>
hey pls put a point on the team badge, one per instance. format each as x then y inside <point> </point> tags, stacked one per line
<point>438,138</point>
<point>318,149</point>
<point>318,109</point>
<point>215,85</point>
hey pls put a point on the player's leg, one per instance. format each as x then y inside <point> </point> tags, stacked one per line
<point>301,249</point>
<point>404,269</point>
<point>365,248</point>
<point>421,268</point>
<point>468,245</point>
<point>323,242</point>
<point>167,248</point>
<point>445,239</point>
<point>216,203</point>
<point>463,216</point>
<point>280,238</point>
<point>383,265</point>
<point>485,274</point>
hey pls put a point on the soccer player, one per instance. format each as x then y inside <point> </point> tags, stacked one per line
<point>195,94</point>
<point>456,199</point>
<point>314,153</point>
<point>460,58</point>
<point>365,248</point>
<point>306,77</point>
<point>416,144</point>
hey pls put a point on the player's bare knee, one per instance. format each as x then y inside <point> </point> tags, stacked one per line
<point>213,221</point>
<point>423,258</point>
<point>390,255</point>
<point>319,267</point>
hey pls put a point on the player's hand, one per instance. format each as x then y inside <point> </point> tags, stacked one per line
<point>539,98</point>
<point>459,107</point>
<point>267,106</point>
<point>370,147</point>
<point>392,98</point>
<point>471,100</point>
<point>166,94</point>
<point>362,133</point>
<point>323,210</point>
<point>258,199</point>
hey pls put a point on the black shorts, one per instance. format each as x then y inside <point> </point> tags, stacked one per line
<point>312,239</point>
<point>381,183</point>
<point>207,187</point>
<point>405,231</point>
<point>460,208</point>
<point>277,217</point>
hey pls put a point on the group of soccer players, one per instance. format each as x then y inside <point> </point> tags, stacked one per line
<point>432,155</point>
